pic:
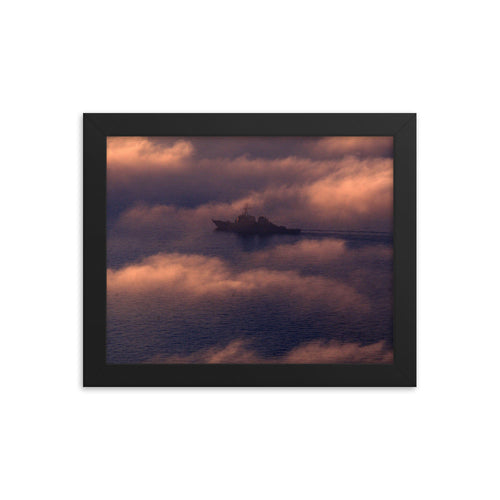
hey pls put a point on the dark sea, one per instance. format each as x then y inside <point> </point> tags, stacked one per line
<point>173,320</point>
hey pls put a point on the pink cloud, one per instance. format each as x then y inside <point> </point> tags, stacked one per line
<point>311,251</point>
<point>324,351</point>
<point>364,189</point>
<point>339,146</point>
<point>317,351</point>
<point>196,277</point>
<point>357,195</point>
<point>141,155</point>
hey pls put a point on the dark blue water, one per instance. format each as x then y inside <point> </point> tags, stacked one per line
<point>352,303</point>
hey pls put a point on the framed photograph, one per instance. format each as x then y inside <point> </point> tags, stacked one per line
<point>249,249</point>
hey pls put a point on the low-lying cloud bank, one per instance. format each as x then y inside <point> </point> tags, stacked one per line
<point>140,154</point>
<point>197,277</point>
<point>124,151</point>
<point>328,147</point>
<point>317,351</point>
<point>323,176</point>
<point>360,199</point>
<point>321,255</point>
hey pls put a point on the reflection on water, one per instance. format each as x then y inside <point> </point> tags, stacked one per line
<point>352,301</point>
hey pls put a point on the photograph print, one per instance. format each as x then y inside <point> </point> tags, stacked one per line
<point>249,250</point>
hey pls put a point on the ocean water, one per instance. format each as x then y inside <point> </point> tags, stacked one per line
<point>282,292</point>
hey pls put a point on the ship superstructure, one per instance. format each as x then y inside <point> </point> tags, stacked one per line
<point>248,224</point>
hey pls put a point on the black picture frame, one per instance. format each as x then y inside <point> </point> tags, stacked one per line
<point>98,126</point>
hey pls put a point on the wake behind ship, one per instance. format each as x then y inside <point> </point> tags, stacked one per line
<point>247,224</point>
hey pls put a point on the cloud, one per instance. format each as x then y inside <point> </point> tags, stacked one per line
<point>358,195</point>
<point>329,256</point>
<point>324,351</point>
<point>140,155</point>
<point>283,147</point>
<point>197,277</point>
<point>162,193</point>
<point>328,147</point>
<point>308,252</point>
<point>174,172</point>
<point>317,351</point>
<point>366,189</point>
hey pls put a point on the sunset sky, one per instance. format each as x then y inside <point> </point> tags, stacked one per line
<point>176,287</point>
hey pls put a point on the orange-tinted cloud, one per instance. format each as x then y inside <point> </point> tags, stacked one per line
<point>196,277</point>
<point>347,189</point>
<point>365,187</point>
<point>327,147</point>
<point>158,187</point>
<point>327,256</point>
<point>141,155</point>
<point>358,195</point>
<point>317,351</point>
<point>324,351</point>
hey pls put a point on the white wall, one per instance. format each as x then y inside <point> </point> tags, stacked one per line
<point>436,58</point>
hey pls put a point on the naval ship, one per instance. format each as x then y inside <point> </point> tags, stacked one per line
<point>247,224</point>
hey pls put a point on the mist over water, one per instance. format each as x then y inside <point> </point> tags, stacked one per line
<point>181,292</point>
<point>165,323</point>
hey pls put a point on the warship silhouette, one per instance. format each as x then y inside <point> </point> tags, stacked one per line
<point>247,224</point>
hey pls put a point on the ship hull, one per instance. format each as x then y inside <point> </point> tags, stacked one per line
<point>255,228</point>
